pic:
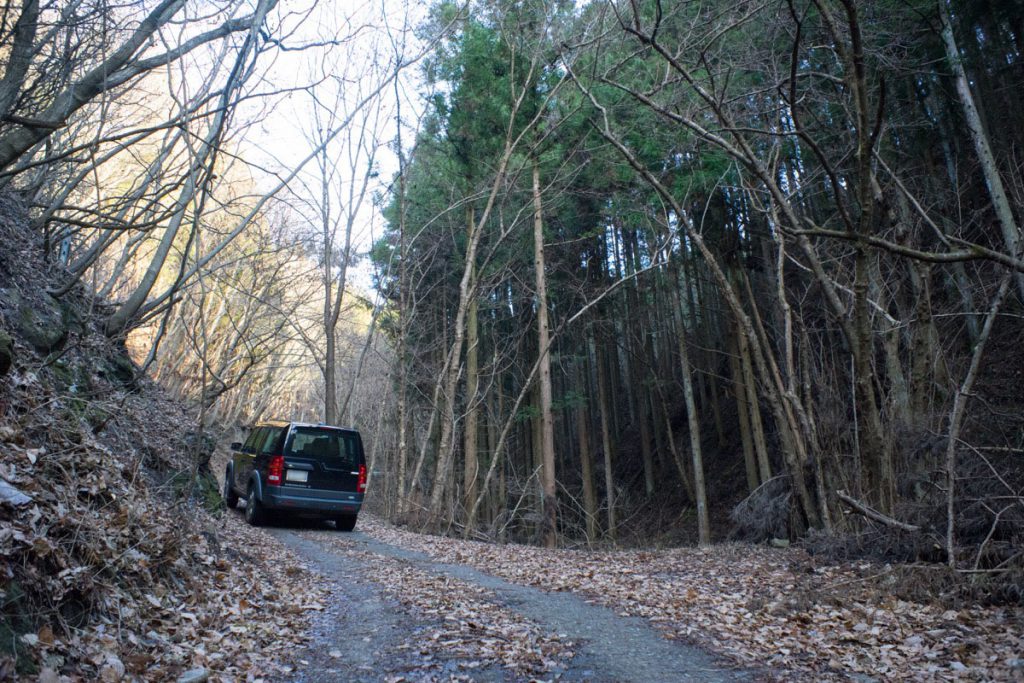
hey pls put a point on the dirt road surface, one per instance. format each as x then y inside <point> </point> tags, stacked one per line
<point>375,626</point>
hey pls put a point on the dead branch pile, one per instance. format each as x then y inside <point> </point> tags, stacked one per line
<point>764,514</point>
<point>989,528</point>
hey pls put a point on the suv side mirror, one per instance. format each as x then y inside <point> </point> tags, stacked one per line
<point>236,445</point>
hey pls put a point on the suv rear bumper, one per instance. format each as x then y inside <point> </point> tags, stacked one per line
<point>300,500</point>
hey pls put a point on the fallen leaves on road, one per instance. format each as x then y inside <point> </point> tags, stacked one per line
<point>468,629</point>
<point>762,607</point>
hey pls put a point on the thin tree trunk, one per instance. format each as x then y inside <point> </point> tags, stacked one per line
<point>497,456</point>
<point>764,467</point>
<point>491,427</point>
<point>549,502</point>
<point>924,358</point>
<point>470,424</point>
<point>586,459</point>
<point>330,342</point>
<point>606,436</point>
<point>956,417</point>
<point>693,421</point>
<point>403,317</point>
<point>980,140</point>
<point>716,408</point>
<point>743,414</point>
<point>636,367</point>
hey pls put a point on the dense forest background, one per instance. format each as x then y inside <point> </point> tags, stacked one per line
<point>643,272</point>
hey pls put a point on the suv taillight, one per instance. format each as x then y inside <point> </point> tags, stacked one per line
<point>361,486</point>
<point>275,471</point>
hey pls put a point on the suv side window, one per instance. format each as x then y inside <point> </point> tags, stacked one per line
<point>270,440</point>
<point>254,436</point>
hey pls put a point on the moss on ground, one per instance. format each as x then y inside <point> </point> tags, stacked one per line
<point>203,488</point>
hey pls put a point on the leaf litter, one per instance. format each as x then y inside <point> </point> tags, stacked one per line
<point>465,628</point>
<point>108,575</point>
<point>762,607</point>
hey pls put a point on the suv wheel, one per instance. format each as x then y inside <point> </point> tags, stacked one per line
<point>345,522</point>
<point>255,514</point>
<point>230,497</point>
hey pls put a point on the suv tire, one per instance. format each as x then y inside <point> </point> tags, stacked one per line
<point>230,497</point>
<point>345,522</point>
<point>255,515</point>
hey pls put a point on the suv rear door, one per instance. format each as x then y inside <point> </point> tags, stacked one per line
<point>260,444</point>
<point>331,457</point>
<point>244,457</point>
<point>269,445</point>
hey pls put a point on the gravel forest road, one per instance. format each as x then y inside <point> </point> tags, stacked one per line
<point>365,631</point>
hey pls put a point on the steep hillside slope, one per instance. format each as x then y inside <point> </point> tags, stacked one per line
<point>110,567</point>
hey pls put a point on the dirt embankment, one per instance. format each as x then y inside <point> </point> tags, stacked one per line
<point>110,567</point>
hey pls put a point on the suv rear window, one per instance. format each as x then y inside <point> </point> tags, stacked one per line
<point>330,446</point>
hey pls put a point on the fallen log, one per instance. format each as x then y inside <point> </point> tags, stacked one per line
<point>871,513</point>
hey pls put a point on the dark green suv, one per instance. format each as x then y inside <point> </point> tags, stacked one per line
<point>312,470</point>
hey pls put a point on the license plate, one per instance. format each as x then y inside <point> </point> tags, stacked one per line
<point>297,475</point>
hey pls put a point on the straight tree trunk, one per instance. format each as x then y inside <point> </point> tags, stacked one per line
<point>922,364</point>
<point>470,425</point>
<point>491,427</point>
<point>637,369</point>
<point>753,405</point>
<point>549,502</point>
<point>646,455</point>
<point>716,408</point>
<point>330,359</point>
<point>586,460</point>
<point>693,422</point>
<point>606,435</point>
<point>743,414</point>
